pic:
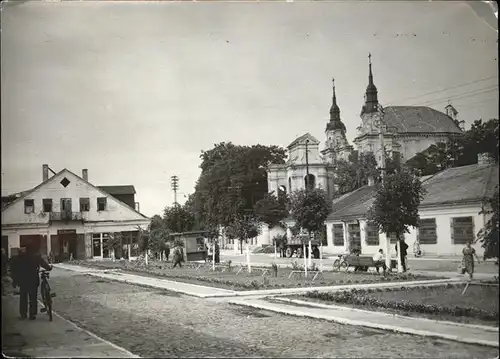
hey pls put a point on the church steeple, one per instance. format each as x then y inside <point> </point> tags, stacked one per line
<point>371,95</point>
<point>335,122</point>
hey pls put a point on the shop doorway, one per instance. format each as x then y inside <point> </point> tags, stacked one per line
<point>67,244</point>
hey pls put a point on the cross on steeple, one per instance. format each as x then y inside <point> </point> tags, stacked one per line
<point>370,58</point>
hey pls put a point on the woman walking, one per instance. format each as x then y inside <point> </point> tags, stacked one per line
<point>468,259</point>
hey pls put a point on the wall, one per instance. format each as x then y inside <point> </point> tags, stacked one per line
<point>444,246</point>
<point>75,190</point>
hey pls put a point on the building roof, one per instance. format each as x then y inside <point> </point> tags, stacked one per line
<point>459,185</point>
<point>411,119</point>
<point>26,193</point>
<point>117,190</point>
<point>302,139</point>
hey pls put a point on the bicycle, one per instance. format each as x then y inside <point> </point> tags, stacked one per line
<point>340,262</point>
<point>46,293</point>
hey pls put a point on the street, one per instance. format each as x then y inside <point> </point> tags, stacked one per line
<point>157,323</point>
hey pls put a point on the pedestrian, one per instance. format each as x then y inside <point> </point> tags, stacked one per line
<point>378,259</point>
<point>178,257</point>
<point>282,249</point>
<point>468,259</point>
<point>403,253</point>
<point>167,251</point>
<point>217,252</point>
<point>25,275</point>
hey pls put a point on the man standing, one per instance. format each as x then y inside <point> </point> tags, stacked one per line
<point>378,259</point>
<point>25,275</point>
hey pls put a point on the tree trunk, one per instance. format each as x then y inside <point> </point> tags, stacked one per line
<point>305,258</point>
<point>398,254</point>
<point>241,246</point>
<point>310,251</point>
<point>388,251</point>
<point>321,256</point>
<point>248,258</point>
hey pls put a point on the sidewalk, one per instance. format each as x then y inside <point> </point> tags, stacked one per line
<point>42,338</point>
<point>462,333</point>
<point>211,292</point>
<point>180,287</point>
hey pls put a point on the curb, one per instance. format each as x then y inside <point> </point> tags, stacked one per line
<point>340,307</point>
<point>104,275</point>
<point>286,291</point>
<point>393,328</point>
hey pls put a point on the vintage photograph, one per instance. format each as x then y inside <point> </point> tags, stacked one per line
<point>272,179</point>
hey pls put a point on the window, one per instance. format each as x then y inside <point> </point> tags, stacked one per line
<point>427,231</point>
<point>354,236</point>
<point>338,235</point>
<point>200,244</point>
<point>372,235</point>
<point>101,203</point>
<point>29,206</point>
<point>47,204</point>
<point>65,182</point>
<point>84,204</point>
<point>462,230</point>
<point>289,185</point>
<point>310,181</point>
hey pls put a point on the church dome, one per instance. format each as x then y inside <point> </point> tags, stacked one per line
<point>419,119</point>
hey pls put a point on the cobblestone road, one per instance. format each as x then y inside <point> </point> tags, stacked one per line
<point>163,324</point>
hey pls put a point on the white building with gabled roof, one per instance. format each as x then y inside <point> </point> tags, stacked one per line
<point>67,216</point>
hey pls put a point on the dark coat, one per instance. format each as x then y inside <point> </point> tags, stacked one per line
<point>25,269</point>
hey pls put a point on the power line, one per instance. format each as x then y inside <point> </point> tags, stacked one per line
<point>442,90</point>
<point>449,98</point>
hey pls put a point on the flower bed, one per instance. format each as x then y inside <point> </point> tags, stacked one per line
<point>478,305</point>
<point>244,281</point>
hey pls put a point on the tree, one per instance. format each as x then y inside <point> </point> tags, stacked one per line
<point>395,208</point>
<point>489,234</point>
<point>271,210</point>
<point>178,219</point>
<point>482,137</point>
<point>243,228</point>
<point>114,244</point>
<point>309,209</point>
<point>232,180</point>
<point>354,173</point>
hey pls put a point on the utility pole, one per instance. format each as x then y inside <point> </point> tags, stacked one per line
<point>175,186</point>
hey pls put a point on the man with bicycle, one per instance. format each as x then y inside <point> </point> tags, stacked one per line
<point>25,269</point>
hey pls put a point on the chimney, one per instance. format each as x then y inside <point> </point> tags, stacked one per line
<point>45,172</point>
<point>371,181</point>
<point>85,174</point>
<point>137,208</point>
<point>484,159</point>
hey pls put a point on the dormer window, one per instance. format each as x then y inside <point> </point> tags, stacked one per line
<point>29,206</point>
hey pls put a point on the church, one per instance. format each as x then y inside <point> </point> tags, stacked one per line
<point>406,130</point>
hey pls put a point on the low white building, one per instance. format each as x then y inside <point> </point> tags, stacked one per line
<point>449,214</point>
<point>67,216</point>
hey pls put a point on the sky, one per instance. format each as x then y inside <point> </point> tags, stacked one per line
<point>134,91</point>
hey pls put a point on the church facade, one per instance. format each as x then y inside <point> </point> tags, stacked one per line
<point>406,130</point>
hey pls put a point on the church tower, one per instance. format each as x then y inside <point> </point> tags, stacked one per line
<point>336,145</point>
<point>371,94</point>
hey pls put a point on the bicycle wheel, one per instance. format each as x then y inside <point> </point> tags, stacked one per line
<point>47,299</point>
<point>343,265</point>
<point>336,264</point>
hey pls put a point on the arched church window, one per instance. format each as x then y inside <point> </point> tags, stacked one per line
<point>310,181</point>
<point>290,185</point>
